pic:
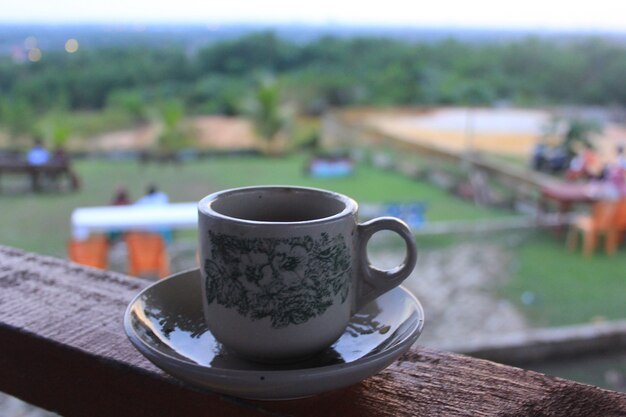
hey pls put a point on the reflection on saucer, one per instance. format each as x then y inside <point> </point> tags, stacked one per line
<point>166,323</point>
<point>363,323</point>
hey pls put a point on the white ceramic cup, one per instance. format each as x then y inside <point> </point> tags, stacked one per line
<point>284,268</point>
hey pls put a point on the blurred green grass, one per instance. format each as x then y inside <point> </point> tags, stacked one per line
<point>565,287</point>
<point>41,222</point>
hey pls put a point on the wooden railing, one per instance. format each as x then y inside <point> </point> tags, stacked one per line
<point>63,348</point>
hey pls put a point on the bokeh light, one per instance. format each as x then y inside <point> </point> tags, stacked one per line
<point>71,45</point>
<point>34,55</point>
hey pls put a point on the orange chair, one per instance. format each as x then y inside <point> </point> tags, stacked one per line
<point>147,254</point>
<point>600,222</point>
<point>92,251</point>
<point>618,227</point>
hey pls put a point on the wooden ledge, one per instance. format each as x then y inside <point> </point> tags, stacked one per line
<point>63,348</point>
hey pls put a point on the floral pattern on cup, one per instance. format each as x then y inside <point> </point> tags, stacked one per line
<point>265,277</point>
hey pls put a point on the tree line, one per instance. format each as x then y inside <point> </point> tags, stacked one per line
<point>314,76</point>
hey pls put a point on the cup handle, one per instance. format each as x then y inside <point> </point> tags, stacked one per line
<point>373,281</point>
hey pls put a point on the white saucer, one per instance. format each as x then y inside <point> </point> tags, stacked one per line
<point>165,323</point>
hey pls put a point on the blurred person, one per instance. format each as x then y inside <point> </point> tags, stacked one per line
<point>121,197</point>
<point>593,166</point>
<point>557,159</point>
<point>60,157</point>
<point>38,154</point>
<point>615,176</point>
<point>153,196</point>
<point>539,156</point>
<point>156,197</point>
<point>620,157</point>
<point>586,165</point>
<point>616,172</point>
<point>575,170</point>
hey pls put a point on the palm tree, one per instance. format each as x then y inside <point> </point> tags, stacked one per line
<point>268,116</point>
<point>175,135</point>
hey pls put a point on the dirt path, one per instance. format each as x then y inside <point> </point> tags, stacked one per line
<point>455,286</point>
<point>210,132</point>
<point>508,131</point>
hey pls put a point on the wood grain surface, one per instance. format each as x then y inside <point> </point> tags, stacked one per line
<point>63,348</point>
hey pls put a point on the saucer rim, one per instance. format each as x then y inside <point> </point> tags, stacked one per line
<point>409,338</point>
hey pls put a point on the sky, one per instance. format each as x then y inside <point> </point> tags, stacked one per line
<point>603,15</point>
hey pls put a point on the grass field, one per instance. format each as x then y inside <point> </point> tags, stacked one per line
<point>41,223</point>
<point>567,288</point>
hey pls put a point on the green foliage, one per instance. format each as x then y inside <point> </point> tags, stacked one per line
<point>579,132</point>
<point>175,135</point>
<point>173,140</point>
<point>172,114</point>
<point>262,51</point>
<point>323,73</point>
<point>85,79</point>
<point>316,89</point>
<point>306,134</point>
<point>266,110</point>
<point>218,93</point>
<point>268,114</point>
<point>130,101</point>
<point>17,117</point>
<point>58,131</point>
<point>84,124</point>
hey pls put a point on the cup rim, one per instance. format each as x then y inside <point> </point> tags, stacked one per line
<point>205,204</point>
